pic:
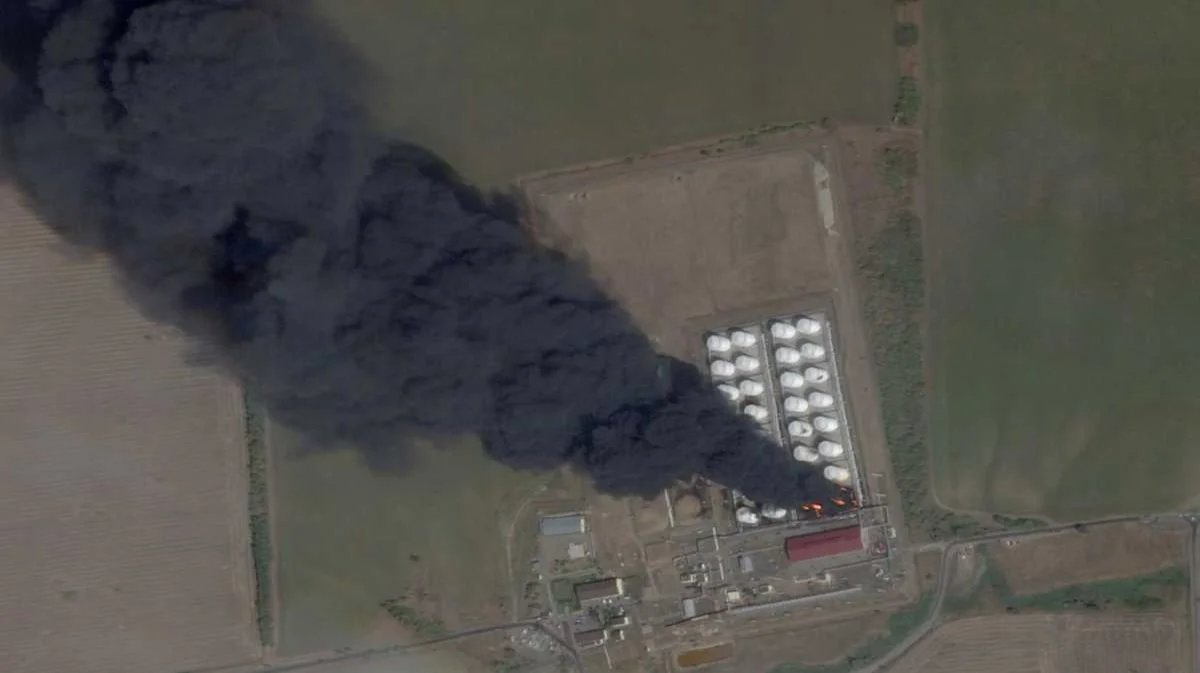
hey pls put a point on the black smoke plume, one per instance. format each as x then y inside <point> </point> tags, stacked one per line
<point>214,151</point>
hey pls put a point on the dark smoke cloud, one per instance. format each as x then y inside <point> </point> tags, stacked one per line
<point>355,286</point>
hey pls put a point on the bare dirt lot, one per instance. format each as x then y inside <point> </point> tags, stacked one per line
<point>707,236</point>
<point>123,495</point>
<point>1102,553</point>
<point>1052,644</point>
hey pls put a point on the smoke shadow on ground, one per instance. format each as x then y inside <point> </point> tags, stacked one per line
<point>358,287</point>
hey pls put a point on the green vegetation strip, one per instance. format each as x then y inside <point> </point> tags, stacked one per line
<point>260,522</point>
<point>892,267</point>
<point>428,627</point>
<point>900,626</point>
<point>908,102</point>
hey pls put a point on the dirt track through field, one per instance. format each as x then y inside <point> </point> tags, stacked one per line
<point>123,494</point>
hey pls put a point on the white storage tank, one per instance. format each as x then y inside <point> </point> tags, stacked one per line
<point>811,351</point>
<point>830,450</point>
<point>747,363</point>
<point>808,326</point>
<point>718,344</point>
<point>816,374</point>
<point>731,393</point>
<point>756,412</point>
<point>751,387</point>
<point>783,330</point>
<point>791,380</point>
<point>826,424</point>
<point>805,454</point>
<point>820,400</point>
<point>800,429</point>
<point>787,356</point>
<point>837,474</point>
<point>795,405</point>
<point>774,512</point>
<point>743,339</point>
<point>747,516</point>
<point>722,368</point>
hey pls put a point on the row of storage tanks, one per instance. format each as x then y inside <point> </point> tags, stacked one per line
<point>810,414</point>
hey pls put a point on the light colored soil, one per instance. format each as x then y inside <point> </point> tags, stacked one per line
<point>123,541</point>
<point>1104,552</point>
<point>1051,644</point>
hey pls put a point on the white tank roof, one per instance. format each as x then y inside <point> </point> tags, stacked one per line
<point>722,368</point>
<point>747,516</point>
<point>791,380</point>
<point>820,400</point>
<point>808,326</point>
<point>826,423</point>
<point>795,405</point>
<point>718,344</point>
<point>743,339</point>
<point>774,512</point>
<point>755,411</point>
<point>837,474</point>
<point>787,356</point>
<point>829,449</point>
<point>811,351</point>
<point>783,330</point>
<point>816,374</point>
<point>805,454</point>
<point>731,393</point>
<point>800,429</point>
<point>751,387</point>
<point>747,363</point>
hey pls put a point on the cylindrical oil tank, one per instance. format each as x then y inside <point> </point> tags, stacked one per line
<point>731,393</point>
<point>820,400</point>
<point>811,351</point>
<point>743,339</point>
<point>791,380</point>
<point>774,512</point>
<point>808,326</point>
<point>747,516</point>
<point>747,363</point>
<point>830,450</point>
<point>722,368</point>
<point>816,374</point>
<point>795,405</point>
<point>757,412</point>
<point>751,387</point>
<point>837,474</point>
<point>783,330</point>
<point>805,454</point>
<point>718,344</point>
<point>826,424</point>
<point>800,429</point>
<point>787,356</point>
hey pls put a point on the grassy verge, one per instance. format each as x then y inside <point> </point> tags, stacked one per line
<point>1141,592</point>
<point>908,102</point>
<point>260,522</point>
<point>891,265</point>
<point>900,626</point>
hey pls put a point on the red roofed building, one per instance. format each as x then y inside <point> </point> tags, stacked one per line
<point>825,543</point>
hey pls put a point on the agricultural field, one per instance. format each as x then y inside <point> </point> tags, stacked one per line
<point>430,539</point>
<point>503,88</point>
<point>1063,184</point>
<point>1061,643</point>
<point>123,494</point>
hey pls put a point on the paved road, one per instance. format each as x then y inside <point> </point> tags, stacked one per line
<point>949,549</point>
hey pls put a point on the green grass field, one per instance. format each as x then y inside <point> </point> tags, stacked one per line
<point>1065,254</point>
<point>504,88</point>
<point>349,538</point>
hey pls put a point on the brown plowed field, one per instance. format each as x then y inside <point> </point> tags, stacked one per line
<point>122,494</point>
<point>1051,644</point>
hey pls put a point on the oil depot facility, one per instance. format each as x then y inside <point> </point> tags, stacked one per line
<point>782,373</point>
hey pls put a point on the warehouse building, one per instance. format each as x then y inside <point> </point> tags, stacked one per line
<point>825,543</point>
<point>599,590</point>
<point>564,524</point>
